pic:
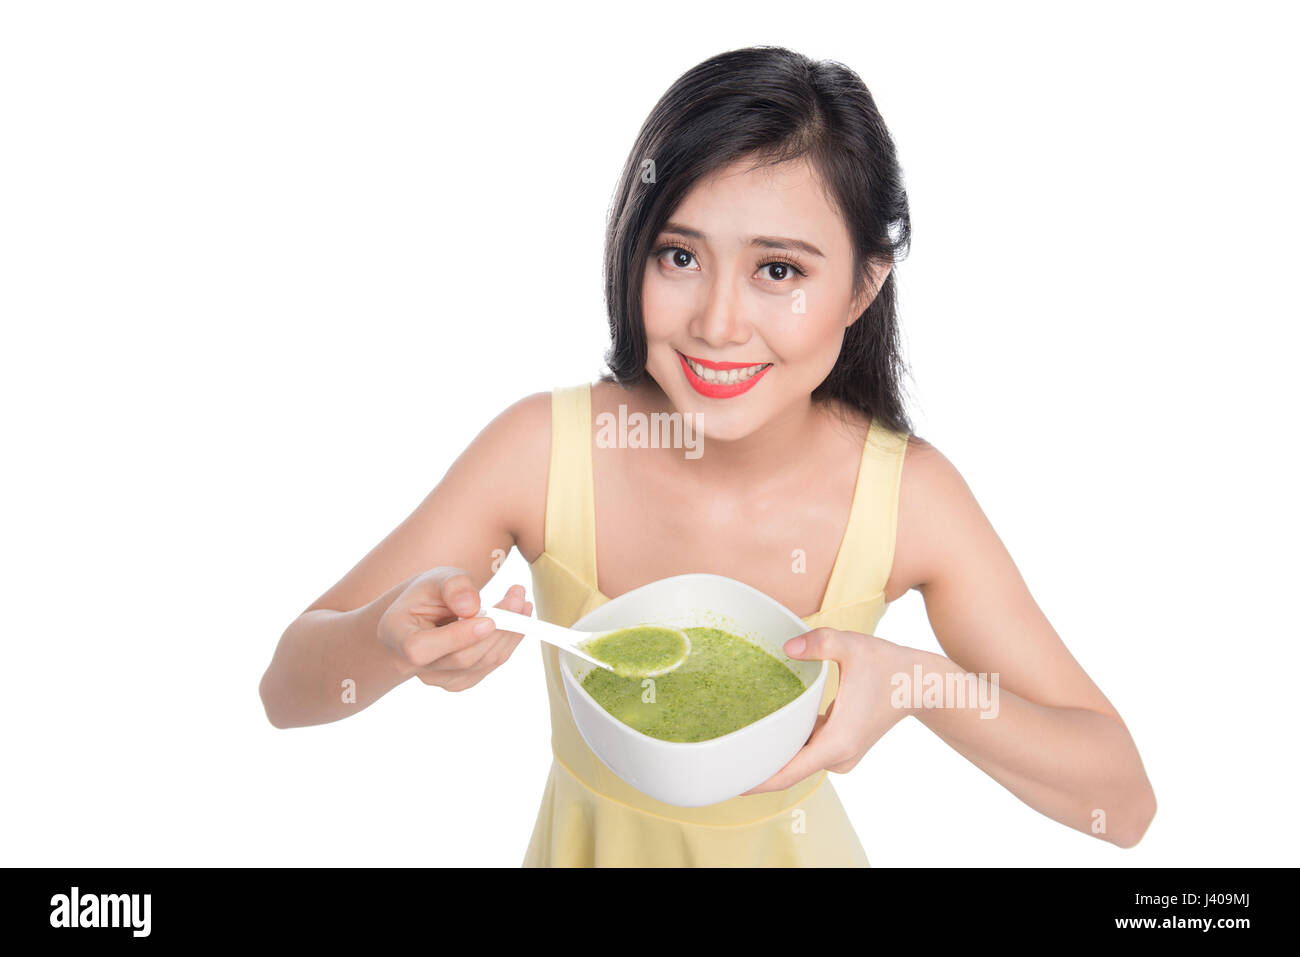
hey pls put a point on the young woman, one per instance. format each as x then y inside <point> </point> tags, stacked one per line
<point>749,282</point>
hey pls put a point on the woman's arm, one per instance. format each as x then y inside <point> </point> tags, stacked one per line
<point>1075,765</point>
<point>303,684</point>
<point>469,521</point>
<point>1009,696</point>
<point>1056,742</point>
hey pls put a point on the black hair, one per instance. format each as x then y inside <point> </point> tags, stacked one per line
<point>771,105</point>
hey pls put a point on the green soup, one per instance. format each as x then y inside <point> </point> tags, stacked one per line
<point>636,652</point>
<point>725,683</point>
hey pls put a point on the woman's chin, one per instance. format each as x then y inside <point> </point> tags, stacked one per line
<point>723,426</point>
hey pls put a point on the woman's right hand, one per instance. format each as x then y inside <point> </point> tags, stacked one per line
<point>424,631</point>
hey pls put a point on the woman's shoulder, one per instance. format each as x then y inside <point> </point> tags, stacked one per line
<point>924,483</point>
<point>527,420</point>
<point>529,417</point>
<point>523,423</point>
<point>936,509</point>
<point>517,451</point>
<point>522,433</point>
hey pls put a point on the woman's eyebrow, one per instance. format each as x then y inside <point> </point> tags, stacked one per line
<point>765,242</point>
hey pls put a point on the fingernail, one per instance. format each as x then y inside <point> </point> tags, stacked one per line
<point>796,646</point>
<point>484,628</point>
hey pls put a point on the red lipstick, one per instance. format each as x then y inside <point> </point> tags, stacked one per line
<point>714,390</point>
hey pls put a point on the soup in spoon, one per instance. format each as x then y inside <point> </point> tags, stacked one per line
<point>640,652</point>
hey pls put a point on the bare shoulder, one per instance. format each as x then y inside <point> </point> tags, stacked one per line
<point>520,437</point>
<point>928,472</point>
<point>936,511</point>
<point>527,425</point>
<point>525,421</point>
<point>978,603</point>
<point>491,497</point>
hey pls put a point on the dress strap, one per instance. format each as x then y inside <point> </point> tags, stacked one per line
<point>570,533</point>
<point>866,554</point>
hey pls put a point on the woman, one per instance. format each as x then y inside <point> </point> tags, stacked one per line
<point>749,280</point>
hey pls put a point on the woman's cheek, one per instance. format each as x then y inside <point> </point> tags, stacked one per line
<point>658,309</point>
<point>812,338</point>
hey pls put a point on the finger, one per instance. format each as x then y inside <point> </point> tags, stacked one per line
<point>814,756</point>
<point>502,644</point>
<point>498,640</point>
<point>507,643</point>
<point>513,638</point>
<point>513,599</point>
<point>820,644</point>
<point>500,651</point>
<point>524,607</point>
<point>459,593</point>
<point>459,681</point>
<point>467,659</point>
<point>429,645</point>
<point>444,595</point>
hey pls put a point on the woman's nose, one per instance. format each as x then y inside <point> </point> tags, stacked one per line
<point>720,319</point>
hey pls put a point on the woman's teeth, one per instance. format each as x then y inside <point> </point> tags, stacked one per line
<point>725,376</point>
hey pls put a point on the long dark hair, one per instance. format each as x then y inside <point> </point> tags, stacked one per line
<point>772,105</point>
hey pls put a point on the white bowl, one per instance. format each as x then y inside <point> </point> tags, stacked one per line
<point>692,774</point>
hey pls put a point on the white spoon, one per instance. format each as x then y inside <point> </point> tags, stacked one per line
<point>569,639</point>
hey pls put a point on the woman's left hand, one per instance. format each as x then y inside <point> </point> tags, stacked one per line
<point>861,712</point>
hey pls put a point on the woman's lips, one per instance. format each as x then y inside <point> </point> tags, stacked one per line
<point>715,390</point>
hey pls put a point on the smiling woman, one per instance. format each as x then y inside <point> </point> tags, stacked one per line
<point>749,280</point>
<point>750,285</point>
<point>779,175</point>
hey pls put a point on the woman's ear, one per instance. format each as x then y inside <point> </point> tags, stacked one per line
<point>876,274</point>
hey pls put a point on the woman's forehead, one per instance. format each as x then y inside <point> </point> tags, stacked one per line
<point>742,202</point>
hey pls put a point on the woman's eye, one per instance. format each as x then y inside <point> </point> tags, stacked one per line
<point>778,272</point>
<point>681,258</point>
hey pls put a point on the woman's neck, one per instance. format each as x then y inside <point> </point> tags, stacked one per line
<point>780,453</point>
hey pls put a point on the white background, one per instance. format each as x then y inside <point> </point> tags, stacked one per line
<point>267,268</point>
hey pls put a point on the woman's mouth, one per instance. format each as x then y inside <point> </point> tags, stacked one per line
<point>721,380</point>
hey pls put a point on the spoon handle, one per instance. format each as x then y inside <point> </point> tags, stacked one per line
<point>556,635</point>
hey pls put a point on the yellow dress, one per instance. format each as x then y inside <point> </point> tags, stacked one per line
<point>591,817</point>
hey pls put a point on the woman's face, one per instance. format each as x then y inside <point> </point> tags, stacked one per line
<point>754,268</point>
